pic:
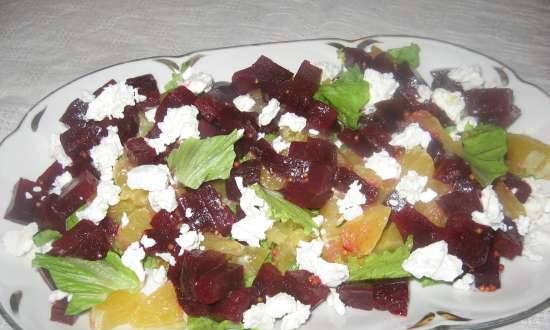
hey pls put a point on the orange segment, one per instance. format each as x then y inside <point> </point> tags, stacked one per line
<point>360,235</point>
<point>417,160</point>
<point>433,212</point>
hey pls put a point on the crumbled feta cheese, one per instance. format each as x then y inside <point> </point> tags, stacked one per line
<point>452,103</point>
<point>308,257</point>
<point>412,187</point>
<point>57,152</point>
<point>188,213</point>
<point>124,220</point>
<point>461,126</point>
<point>244,103</point>
<point>329,70</point>
<point>523,223</point>
<point>37,189</point>
<point>57,295</point>
<point>132,258</point>
<point>350,206</point>
<point>188,239</point>
<point>492,214</point>
<point>260,136</point>
<point>412,136</point>
<point>338,143</point>
<point>294,122</point>
<point>334,301</point>
<point>269,112</point>
<point>384,165</point>
<point>28,195</point>
<point>279,144</point>
<point>112,101</point>
<point>256,317</point>
<point>469,77</point>
<point>433,261</point>
<point>105,154</point>
<point>465,283</point>
<point>319,220</point>
<point>167,257</point>
<point>107,195</point>
<point>537,209</point>
<point>262,316</point>
<point>313,132</point>
<point>19,242</point>
<point>252,228</point>
<point>382,86</point>
<point>60,182</point>
<point>179,123</point>
<point>148,177</point>
<point>424,93</point>
<point>164,199</point>
<point>199,82</point>
<point>295,319</point>
<point>147,241</point>
<point>155,278</point>
<point>150,115</point>
<point>87,97</point>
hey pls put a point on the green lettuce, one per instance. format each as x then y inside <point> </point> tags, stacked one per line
<point>484,149</point>
<point>196,161</point>
<point>283,210</point>
<point>203,323</point>
<point>45,236</point>
<point>380,265</point>
<point>348,95</point>
<point>408,54</point>
<point>177,74</point>
<point>89,282</point>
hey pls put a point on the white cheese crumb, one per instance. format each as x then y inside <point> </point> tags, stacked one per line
<point>124,220</point>
<point>465,283</point>
<point>412,187</point>
<point>384,165</point>
<point>19,242</point>
<point>155,278</point>
<point>179,123</point>
<point>523,223</point>
<point>28,195</point>
<point>188,213</point>
<point>313,132</point>
<point>279,144</point>
<point>424,93</point>
<point>333,300</point>
<point>382,86</point>
<point>295,319</point>
<point>167,257</point>
<point>148,177</point>
<point>37,189</point>
<point>57,152</point>
<point>188,239</point>
<point>107,195</point>
<point>57,295</point>
<point>412,136</point>
<point>338,143</point>
<point>461,126</point>
<point>269,112</point>
<point>319,220</point>
<point>308,257</point>
<point>492,214</point>
<point>329,70</point>
<point>262,316</point>
<point>112,101</point>
<point>452,103</point>
<point>433,261</point>
<point>537,208</point>
<point>132,258</point>
<point>350,206</point>
<point>260,136</point>
<point>147,241</point>
<point>61,181</point>
<point>105,154</point>
<point>469,77</point>
<point>294,122</point>
<point>199,82</point>
<point>164,199</point>
<point>244,103</point>
<point>150,115</point>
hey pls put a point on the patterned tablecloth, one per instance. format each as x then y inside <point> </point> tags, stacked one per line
<point>46,43</point>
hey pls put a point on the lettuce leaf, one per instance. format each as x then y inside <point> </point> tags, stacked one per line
<point>283,210</point>
<point>45,236</point>
<point>197,161</point>
<point>203,323</point>
<point>380,265</point>
<point>484,149</point>
<point>408,54</point>
<point>348,95</point>
<point>89,282</point>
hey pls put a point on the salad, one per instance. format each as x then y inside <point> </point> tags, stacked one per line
<point>247,204</point>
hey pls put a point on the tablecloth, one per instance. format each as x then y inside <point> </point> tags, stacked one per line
<point>46,43</point>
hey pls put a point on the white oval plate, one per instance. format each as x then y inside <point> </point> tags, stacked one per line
<point>525,291</point>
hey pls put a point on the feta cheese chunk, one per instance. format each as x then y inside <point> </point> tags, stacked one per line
<point>179,123</point>
<point>164,199</point>
<point>19,242</point>
<point>61,181</point>
<point>412,187</point>
<point>308,257</point>
<point>188,239</point>
<point>199,82</point>
<point>148,177</point>
<point>147,241</point>
<point>461,126</point>
<point>107,195</point>
<point>279,144</point>
<point>57,152</point>
<point>269,112</point>
<point>384,165</point>
<point>244,103</point>
<point>350,206</point>
<point>329,70</point>
<point>334,301</point>
<point>424,93</point>
<point>262,316</point>
<point>132,258</point>
<point>313,132</point>
<point>469,77</point>
<point>57,295</point>
<point>155,278</point>
<point>523,223</point>
<point>492,214</point>
<point>452,103</point>
<point>433,261</point>
<point>537,209</point>
<point>105,154</point>
<point>382,86</point>
<point>112,101</point>
<point>412,136</point>
<point>465,283</point>
<point>294,122</point>
<point>150,115</point>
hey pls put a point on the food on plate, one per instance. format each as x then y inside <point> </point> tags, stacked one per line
<point>247,204</point>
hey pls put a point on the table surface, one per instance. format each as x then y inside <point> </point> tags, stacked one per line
<point>46,43</point>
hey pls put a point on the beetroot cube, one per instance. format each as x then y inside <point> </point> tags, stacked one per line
<point>176,98</point>
<point>522,188</point>
<point>223,93</point>
<point>165,230</point>
<point>386,295</point>
<point>207,130</point>
<point>436,151</point>
<point>487,276</point>
<point>306,287</point>
<point>46,216</point>
<point>344,177</point>
<point>492,105</point>
<point>356,57</point>
<point>411,222</point>
<point>383,62</point>
<point>307,79</point>
<point>77,141</point>
<point>46,179</point>
<point>244,80</point>
<point>460,202</point>
<point>214,285</point>
<point>269,281</point>
<point>75,194</point>
<point>139,152</point>
<point>146,86</point>
<point>269,74</point>
<point>58,313</point>
<point>75,113</point>
<point>22,208</point>
<point>289,167</point>
<point>371,138</point>
<point>391,113</point>
<point>234,305</point>
<point>468,240</point>
<point>249,171</point>
<point>316,151</point>
<point>508,244</point>
<point>314,190</point>
<point>321,116</point>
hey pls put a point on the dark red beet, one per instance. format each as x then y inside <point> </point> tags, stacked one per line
<point>383,62</point>
<point>75,194</point>
<point>442,80</point>
<point>128,126</point>
<point>297,92</point>
<point>86,240</point>
<point>244,80</point>
<point>370,138</point>
<point>215,285</point>
<point>269,281</point>
<point>139,152</point>
<point>21,208</point>
<point>223,93</point>
<point>391,113</point>
<point>176,98</point>
<point>146,86</point>
<point>313,191</point>
<point>343,177</point>
<point>58,313</point>
<point>209,213</point>
<point>321,116</point>
<point>460,203</point>
<point>164,230</point>
<point>487,276</point>
<point>508,244</point>
<point>289,167</point>
<point>355,57</point>
<point>46,217</point>
<point>306,287</point>
<point>411,222</point>
<point>455,172</point>
<point>74,115</point>
<point>316,151</point>
<point>207,130</point>
<point>468,240</point>
<point>522,188</point>
<point>77,141</point>
<point>269,74</point>
<point>249,171</point>
<point>46,179</point>
<point>435,150</point>
<point>234,305</point>
<point>492,105</point>
<point>405,75</point>
<point>435,111</point>
<point>386,295</point>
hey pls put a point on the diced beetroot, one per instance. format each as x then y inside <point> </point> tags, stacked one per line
<point>411,222</point>
<point>269,281</point>
<point>77,141</point>
<point>321,116</point>
<point>234,305</point>
<point>146,86</point>
<point>387,295</point>
<point>58,313</point>
<point>508,244</point>
<point>487,276</point>
<point>269,74</point>
<point>164,230</point>
<point>223,93</point>
<point>242,147</point>
<point>522,190</point>
<point>46,217</point>
<point>128,126</point>
<point>391,113</point>
<point>355,57</point>
<point>316,151</point>
<point>249,171</point>
<point>244,80</point>
<point>314,190</point>
<point>227,118</point>
<point>435,111</point>
<point>140,152</point>
<point>460,202</point>
<point>344,177</point>
<point>207,130</point>
<point>86,240</point>
<point>46,179</point>
<point>289,167</point>
<point>492,105</point>
<point>209,213</point>
<point>436,151</point>
<point>455,172</point>
<point>405,75</point>
<point>368,139</point>
<point>442,80</point>
<point>306,287</point>
<point>216,284</point>
<point>75,194</point>
<point>22,208</point>
<point>74,115</point>
<point>468,240</point>
<point>383,62</point>
<point>307,79</point>
<point>176,98</point>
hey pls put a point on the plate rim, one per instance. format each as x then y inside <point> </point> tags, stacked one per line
<point>482,325</point>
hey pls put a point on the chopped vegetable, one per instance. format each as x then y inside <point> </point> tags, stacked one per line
<point>202,323</point>
<point>528,156</point>
<point>408,54</point>
<point>45,237</point>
